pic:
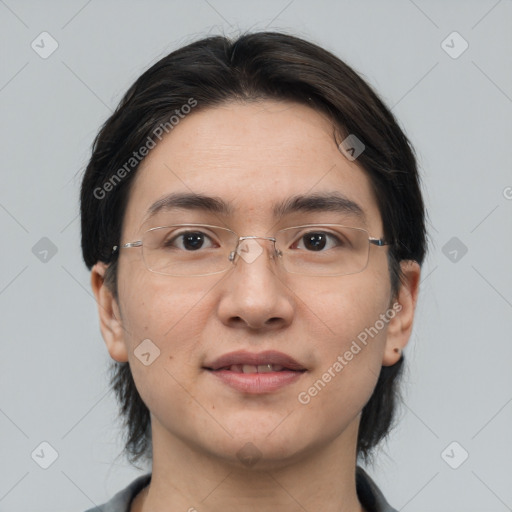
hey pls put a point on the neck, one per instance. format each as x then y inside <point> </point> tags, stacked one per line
<point>185,479</point>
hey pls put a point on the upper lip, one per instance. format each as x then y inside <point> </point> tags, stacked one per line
<point>259,358</point>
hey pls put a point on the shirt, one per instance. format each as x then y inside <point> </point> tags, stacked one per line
<point>368,493</point>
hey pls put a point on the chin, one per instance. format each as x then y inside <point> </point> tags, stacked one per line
<point>261,455</point>
<point>262,448</point>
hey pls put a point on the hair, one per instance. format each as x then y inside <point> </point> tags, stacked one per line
<point>254,66</point>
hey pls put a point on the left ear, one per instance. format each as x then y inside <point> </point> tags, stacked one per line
<point>400,326</point>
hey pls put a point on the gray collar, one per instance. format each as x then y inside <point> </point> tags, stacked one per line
<point>368,493</point>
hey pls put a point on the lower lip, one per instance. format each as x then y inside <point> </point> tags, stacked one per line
<point>257,383</point>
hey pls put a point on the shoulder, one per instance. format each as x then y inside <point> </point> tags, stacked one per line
<point>122,500</point>
<point>369,494</point>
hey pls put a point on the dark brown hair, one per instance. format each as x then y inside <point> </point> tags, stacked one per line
<point>264,65</point>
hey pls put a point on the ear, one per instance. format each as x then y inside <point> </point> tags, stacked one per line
<point>111,325</point>
<point>404,305</point>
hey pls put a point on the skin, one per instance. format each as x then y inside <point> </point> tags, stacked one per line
<point>251,155</point>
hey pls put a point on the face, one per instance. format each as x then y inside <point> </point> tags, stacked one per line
<point>253,156</point>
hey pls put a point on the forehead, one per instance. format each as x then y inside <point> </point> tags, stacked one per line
<point>256,160</point>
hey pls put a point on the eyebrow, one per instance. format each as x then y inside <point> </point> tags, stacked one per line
<point>189,201</point>
<point>318,202</point>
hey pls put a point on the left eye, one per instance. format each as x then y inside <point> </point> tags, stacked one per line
<point>317,241</point>
<point>190,241</point>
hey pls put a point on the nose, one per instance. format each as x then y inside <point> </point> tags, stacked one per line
<point>254,294</point>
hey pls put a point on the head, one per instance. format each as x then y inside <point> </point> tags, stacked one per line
<point>253,122</point>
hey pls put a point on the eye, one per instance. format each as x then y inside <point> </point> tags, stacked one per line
<point>189,241</point>
<point>318,241</point>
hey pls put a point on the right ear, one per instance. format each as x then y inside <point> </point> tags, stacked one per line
<point>110,318</point>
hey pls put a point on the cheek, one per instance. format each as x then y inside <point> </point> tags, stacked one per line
<point>352,305</point>
<point>170,314</point>
<point>165,317</point>
<point>352,343</point>
<point>165,308</point>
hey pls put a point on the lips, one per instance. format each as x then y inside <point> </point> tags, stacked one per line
<point>251,368</point>
<point>249,362</point>
<point>255,374</point>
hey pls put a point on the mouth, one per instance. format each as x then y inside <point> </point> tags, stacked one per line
<point>256,373</point>
<point>250,362</point>
<point>251,368</point>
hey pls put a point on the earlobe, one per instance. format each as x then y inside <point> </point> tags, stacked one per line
<point>110,319</point>
<point>400,326</point>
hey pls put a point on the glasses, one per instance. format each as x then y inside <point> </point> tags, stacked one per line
<point>201,249</point>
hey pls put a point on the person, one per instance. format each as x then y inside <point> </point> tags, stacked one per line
<point>253,221</point>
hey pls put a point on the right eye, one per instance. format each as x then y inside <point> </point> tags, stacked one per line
<point>317,241</point>
<point>188,241</point>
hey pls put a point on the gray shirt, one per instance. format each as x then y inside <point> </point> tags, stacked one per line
<point>369,495</point>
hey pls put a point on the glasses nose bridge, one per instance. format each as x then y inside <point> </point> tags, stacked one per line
<point>251,254</point>
<point>241,238</point>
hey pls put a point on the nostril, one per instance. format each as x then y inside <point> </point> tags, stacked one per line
<point>236,322</point>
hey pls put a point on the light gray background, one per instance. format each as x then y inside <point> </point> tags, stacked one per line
<point>457,113</point>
